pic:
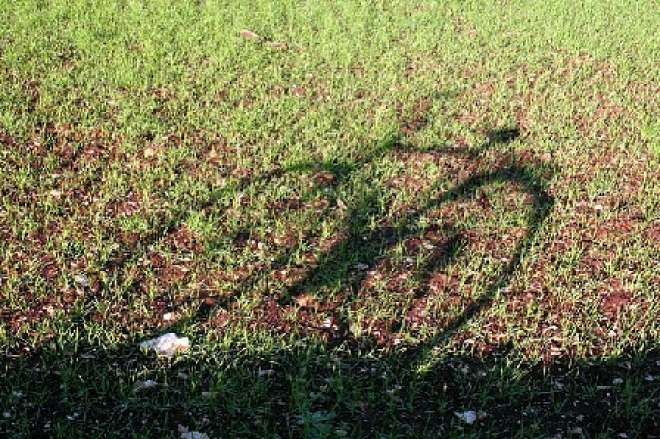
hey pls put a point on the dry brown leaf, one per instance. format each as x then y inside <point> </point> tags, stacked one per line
<point>278,45</point>
<point>248,34</point>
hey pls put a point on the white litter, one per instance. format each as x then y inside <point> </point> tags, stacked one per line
<point>187,434</point>
<point>148,384</point>
<point>82,281</point>
<point>468,417</point>
<point>194,435</point>
<point>167,344</point>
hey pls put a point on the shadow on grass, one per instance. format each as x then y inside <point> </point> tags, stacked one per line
<point>342,384</point>
<point>362,244</point>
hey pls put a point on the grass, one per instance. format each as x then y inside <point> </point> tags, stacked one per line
<point>375,219</point>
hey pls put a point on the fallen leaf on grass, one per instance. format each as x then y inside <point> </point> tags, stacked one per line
<point>277,45</point>
<point>248,34</point>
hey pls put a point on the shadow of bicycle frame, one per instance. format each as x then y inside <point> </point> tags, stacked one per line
<point>372,245</point>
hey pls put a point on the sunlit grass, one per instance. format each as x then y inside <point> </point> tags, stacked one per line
<point>371,219</point>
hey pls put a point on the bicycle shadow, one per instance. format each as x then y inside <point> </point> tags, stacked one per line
<point>346,383</point>
<point>415,379</point>
<point>353,380</point>
<point>364,247</point>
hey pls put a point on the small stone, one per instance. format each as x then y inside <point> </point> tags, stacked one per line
<point>82,281</point>
<point>148,152</point>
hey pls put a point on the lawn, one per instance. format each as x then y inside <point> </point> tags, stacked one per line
<point>370,218</point>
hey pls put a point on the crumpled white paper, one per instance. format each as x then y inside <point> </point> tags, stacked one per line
<point>148,384</point>
<point>194,435</point>
<point>469,417</point>
<point>167,344</point>
<point>187,434</point>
